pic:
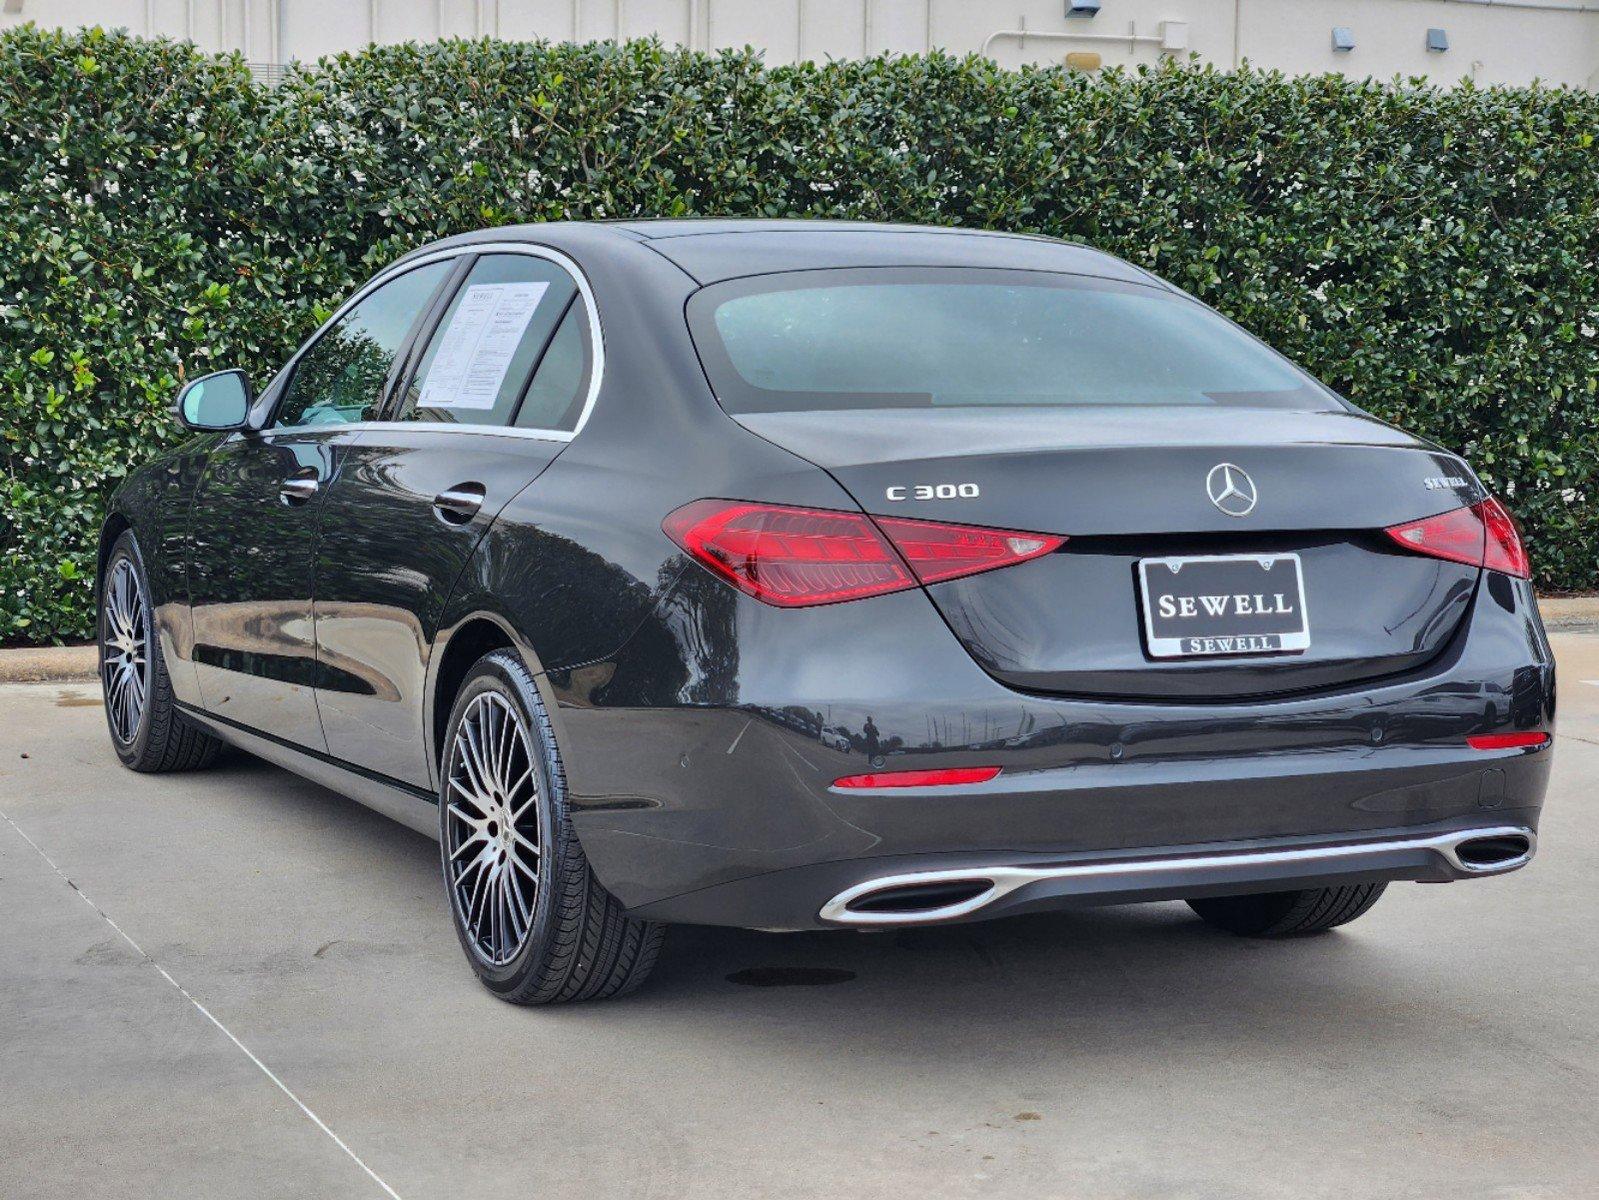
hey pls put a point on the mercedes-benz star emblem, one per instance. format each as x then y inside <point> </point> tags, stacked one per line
<point>1231,489</point>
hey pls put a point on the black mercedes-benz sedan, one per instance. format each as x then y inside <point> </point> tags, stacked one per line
<point>798,575</point>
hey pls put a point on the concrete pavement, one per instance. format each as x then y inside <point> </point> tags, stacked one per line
<point>1445,1044</point>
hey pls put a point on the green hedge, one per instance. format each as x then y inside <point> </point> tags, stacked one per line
<point>1431,253</point>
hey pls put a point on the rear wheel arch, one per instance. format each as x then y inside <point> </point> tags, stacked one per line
<point>454,653</point>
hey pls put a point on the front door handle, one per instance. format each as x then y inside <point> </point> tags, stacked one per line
<point>300,487</point>
<point>459,504</point>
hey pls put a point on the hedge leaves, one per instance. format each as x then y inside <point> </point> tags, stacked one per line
<point>1430,253</point>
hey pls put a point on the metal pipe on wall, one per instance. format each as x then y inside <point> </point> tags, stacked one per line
<point>1133,39</point>
<point>693,23</point>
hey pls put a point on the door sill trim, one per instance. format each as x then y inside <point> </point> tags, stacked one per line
<point>410,806</point>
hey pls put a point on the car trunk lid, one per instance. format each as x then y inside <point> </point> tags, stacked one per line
<point>1129,486</point>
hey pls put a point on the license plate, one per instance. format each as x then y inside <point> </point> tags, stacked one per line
<point>1229,604</point>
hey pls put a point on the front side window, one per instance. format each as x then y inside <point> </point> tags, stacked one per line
<point>937,338</point>
<point>492,343</point>
<point>341,377</point>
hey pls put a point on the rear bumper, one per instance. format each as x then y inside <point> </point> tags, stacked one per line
<point>951,888</point>
<point>701,784</point>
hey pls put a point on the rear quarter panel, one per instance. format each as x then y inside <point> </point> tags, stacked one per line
<point>577,561</point>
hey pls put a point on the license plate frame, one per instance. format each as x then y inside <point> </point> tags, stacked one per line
<point>1263,627</point>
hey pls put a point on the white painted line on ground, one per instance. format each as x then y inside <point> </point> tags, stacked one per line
<point>204,1011</point>
<point>1590,682</point>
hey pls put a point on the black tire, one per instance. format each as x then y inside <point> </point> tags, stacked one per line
<point>579,944</point>
<point>1288,914</point>
<point>160,738</point>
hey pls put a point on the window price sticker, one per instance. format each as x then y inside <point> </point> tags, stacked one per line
<point>477,348</point>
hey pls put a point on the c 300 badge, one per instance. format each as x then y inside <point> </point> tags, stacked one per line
<point>934,491</point>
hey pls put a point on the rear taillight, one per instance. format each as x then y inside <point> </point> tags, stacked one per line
<point>801,556</point>
<point>936,551</point>
<point>1484,535</point>
<point>1506,551</point>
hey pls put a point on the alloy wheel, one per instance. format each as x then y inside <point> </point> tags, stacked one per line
<point>124,651</point>
<point>491,826</point>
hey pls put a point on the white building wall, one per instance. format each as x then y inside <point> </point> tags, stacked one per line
<point>1492,41</point>
<point>1490,44</point>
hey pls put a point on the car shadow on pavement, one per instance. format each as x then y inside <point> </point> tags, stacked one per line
<point>1075,982</point>
<point>1075,985</point>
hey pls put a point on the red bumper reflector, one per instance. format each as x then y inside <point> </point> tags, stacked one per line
<point>903,779</point>
<point>1506,741</point>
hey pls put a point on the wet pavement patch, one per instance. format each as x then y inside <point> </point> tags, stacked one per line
<point>765,977</point>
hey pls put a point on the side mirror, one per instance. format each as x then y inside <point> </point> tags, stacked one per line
<point>216,402</point>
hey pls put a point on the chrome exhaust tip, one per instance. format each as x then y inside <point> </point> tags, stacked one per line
<point>900,900</point>
<point>1492,851</point>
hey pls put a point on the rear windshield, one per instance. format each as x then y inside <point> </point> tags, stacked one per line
<point>952,338</point>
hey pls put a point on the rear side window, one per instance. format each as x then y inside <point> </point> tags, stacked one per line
<point>493,336</point>
<point>341,377</point>
<point>555,398</point>
<point>936,338</point>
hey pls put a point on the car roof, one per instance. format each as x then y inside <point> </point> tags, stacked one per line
<point>714,249</point>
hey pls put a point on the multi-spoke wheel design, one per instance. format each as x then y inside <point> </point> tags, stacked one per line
<point>148,731</point>
<point>492,827</point>
<point>537,925</point>
<point>124,651</point>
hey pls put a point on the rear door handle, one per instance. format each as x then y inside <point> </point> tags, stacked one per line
<point>459,504</point>
<point>300,487</point>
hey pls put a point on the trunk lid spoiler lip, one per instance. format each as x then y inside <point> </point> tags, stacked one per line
<point>861,437</point>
